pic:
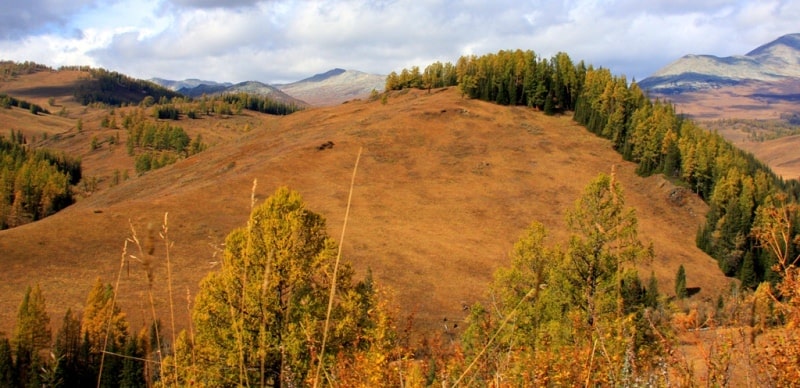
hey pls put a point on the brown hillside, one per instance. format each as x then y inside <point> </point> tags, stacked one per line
<point>753,101</point>
<point>444,187</point>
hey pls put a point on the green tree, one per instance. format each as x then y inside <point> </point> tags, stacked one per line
<point>651,295</point>
<point>259,319</point>
<point>132,373</point>
<point>604,240</point>
<point>67,351</point>
<point>31,335</point>
<point>747,275</point>
<point>680,283</point>
<point>7,378</point>
<point>531,265</point>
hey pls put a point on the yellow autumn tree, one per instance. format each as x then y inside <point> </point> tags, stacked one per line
<point>259,319</point>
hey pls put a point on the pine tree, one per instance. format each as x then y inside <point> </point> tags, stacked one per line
<point>32,334</point>
<point>747,274</point>
<point>651,295</point>
<point>67,350</point>
<point>132,374</point>
<point>7,375</point>
<point>604,238</point>
<point>680,283</point>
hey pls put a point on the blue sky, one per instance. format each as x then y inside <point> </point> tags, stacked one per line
<point>285,40</point>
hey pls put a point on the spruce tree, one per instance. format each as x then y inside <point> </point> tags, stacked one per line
<point>132,374</point>
<point>651,295</point>
<point>32,334</point>
<point>67,350</point>
<point>680,283</point>
<point>748,276</point>
<point>6,364</point>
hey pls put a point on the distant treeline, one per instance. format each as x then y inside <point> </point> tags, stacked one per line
<point>10,69</point>
<point>116,89</point>
<point>259,104</point>
<point>759,129</point>
<point>733,183</point>
<point>7,102</point>
<point>33,183</point>
<point>225,105</point>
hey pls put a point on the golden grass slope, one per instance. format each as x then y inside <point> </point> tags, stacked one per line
<point>445,186</point>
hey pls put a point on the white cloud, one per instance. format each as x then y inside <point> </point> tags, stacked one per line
<point>285,40</point>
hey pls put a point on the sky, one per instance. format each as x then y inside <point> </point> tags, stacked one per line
<point>277,41</point>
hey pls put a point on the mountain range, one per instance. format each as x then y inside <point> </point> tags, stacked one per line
<point>750,99</point>
<point>776,61</point>
<point>332,87</point>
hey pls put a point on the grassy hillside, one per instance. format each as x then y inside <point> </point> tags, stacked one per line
<point>444,188</point>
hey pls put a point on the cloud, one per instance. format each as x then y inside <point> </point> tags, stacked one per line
<point>214,3</point>
<point>285,40</point>
<point>22,18</point>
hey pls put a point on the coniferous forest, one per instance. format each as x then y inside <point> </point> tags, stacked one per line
<point>33,183</point>
<point>282,310</point>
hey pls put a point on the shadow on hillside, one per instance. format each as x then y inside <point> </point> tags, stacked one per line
<point>46,91</point>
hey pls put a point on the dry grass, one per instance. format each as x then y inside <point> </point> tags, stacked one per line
<point>445,187</point>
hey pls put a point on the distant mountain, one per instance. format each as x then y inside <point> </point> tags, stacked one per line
<point>250,87</point>
<point>334,87</point>
<point>776,61</point>
<point>186,84</point>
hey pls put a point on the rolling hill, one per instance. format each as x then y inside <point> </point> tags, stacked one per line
<point>330,88</point>
<point>445,186</point>
<point>250,87</point>
<point>334,87</point>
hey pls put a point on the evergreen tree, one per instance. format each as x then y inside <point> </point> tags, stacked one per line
<point>748,276</point>
<point>651,295</point>
<point>132,373</point>
<point>67,351</point>
<point>7,375</point>
<point>680,283</point>
<point>604,239</point>
<point>32,335</point>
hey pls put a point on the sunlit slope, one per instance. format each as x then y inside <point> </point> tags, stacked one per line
<point>444,187</point>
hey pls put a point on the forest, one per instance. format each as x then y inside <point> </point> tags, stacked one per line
<point>33,183</point>
<point>116,89</point>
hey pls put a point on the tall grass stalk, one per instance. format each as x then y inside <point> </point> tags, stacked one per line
<point>335,272</point>
<point>167,245</point>
<point>148,269</point>
<point>111,313</point>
